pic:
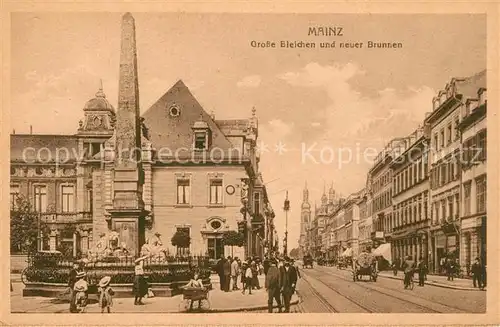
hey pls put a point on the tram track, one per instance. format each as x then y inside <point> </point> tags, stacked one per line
<point>398,294</point>
<point>347,297</point>
<point>320,297</point>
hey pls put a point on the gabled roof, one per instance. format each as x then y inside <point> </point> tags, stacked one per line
<point>166,131</point>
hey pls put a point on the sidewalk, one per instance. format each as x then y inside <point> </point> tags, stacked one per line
<point>436,280</point>
<point>220,302</point>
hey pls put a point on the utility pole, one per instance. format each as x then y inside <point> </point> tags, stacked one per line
<point>286,208</point>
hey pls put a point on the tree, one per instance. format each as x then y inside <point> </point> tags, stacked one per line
<point>23,227</point>
<point>181,239</point>
<point>233,238</point>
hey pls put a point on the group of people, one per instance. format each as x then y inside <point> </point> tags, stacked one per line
<point>78,290</point>
<point>281,280</point>
<point>410,267</point>
<point>230,270</point>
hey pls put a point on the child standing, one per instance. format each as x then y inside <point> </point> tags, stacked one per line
<point>81,291</point>
<point>105,294</point>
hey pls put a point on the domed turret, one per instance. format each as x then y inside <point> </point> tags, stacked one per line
<point>99,103</point>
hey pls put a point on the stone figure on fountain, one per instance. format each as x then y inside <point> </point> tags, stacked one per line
<point>154,249</point>
<point>108,246</point>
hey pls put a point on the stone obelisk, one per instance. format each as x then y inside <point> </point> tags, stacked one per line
<point>127,212</point>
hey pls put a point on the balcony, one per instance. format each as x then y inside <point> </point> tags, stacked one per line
<point>66,217</point>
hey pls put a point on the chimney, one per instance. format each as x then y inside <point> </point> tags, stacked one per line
<point>14,131</point>
<point>31,129</point>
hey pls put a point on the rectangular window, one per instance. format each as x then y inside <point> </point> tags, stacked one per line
<point>67,198</point>
<point>40,200</point>
<point>256,202</point>
<point>450,208</point>
<point>481,143</point>
<point>442,138</point>
<point>90,199</point>
<point>443,175</point>
<point>450,134</point>
<point>200,140</point>
<point>436,142</point>
<point>457,130</point>
<point>467,198</point>
<point>216,191</point>
<point>14,193</point>
<point>481,194</point>
<point>183,191</point>
<point>443,208</point>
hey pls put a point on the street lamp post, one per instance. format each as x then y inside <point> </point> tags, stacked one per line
<point>286,208</point>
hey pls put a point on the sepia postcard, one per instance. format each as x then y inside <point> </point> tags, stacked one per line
<point>249,163</point>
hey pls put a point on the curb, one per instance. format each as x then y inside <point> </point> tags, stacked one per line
<point>254,308</point>
<point>437,284</point>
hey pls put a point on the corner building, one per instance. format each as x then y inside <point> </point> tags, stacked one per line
<point>444,164</point>
<point>195,174</point>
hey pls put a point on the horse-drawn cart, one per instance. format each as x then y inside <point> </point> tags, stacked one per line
<point>365,265</point>
<point>307,262</point>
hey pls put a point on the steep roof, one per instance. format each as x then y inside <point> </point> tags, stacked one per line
<point>166,131</point>
<point>27,147</point>
<point>469,86</point>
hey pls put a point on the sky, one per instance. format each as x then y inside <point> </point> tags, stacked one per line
<point>315,106</point>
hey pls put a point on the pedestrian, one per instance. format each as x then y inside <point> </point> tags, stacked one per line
<point>483,266</point>
<point>409,270</point>
<point>71,285</point>
<point>255,276</point>
<point>226,270</point>
<point>248,278</point>
<point>288,282</point>
<point>105,294</point>
<point>235,271</point>
<point>140,283</point>
<point>450,268</point>
<point>296,268</point>
<point>422,271</point>
<point>477,274</point>
<point>81,292</point>
<point>265,264</point>
<point>219,268</point>
<point>273,286</point>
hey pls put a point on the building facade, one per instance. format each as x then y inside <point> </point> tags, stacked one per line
<point>444,165</point>
<point>410,234</point>
<point>175,168</point>
<point>473,180</point>
<point>381,192</point>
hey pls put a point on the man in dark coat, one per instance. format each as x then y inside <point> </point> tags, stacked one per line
<point>219,268</point>
<point>266,264</point>
<point>422,271</point>
<point>273,286</point>
<point>226,270</point>
<point>288,282</point>
<point>477,274</point>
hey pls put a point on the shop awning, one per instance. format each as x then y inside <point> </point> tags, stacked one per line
<point>384,250</point>
<point>347,253</point>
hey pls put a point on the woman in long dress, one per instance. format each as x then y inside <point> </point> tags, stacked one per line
<point>140,283</point>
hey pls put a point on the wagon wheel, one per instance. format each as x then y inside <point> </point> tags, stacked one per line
<point>184,305</point>
<point>24,277</point>
<point>205,305</point>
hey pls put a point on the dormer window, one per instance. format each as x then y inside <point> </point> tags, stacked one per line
<point>201,135</point>
<point>200,141</point>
